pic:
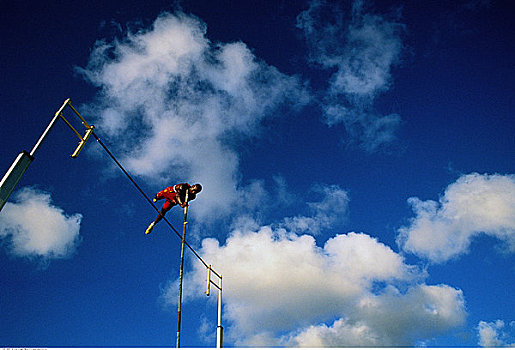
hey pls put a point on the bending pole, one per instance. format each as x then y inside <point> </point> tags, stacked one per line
<point>181,269</point>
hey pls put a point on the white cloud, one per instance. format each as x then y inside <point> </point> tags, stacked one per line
<point>492,334</point>
<point>475,204</point>
<point>339,334</point>
<point>35,227</point>
<point>280,288</point>
<point>362,49</point>
<point>391,319</point>
<point>172,103</point>
<point>329,207</point>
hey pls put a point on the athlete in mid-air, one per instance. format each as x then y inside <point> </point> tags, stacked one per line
<point>174,195</point>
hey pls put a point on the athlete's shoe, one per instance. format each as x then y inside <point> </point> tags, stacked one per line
<point>150,228</point>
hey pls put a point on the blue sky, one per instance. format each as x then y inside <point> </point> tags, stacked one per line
<point>356,158</point>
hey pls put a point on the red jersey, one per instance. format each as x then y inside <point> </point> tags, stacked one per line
<point>171,193</point>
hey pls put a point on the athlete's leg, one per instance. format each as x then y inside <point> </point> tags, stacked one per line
<point>167,206</point>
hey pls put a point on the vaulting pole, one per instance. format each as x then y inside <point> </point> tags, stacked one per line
<point>181,269</point>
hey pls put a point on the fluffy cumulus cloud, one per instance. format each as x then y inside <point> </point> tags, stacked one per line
<point>173,103</point>
<point>361,48</point>
<point>493,334</point>
<point>281,288</point>
<point>33,227</point>
<point>391,319</point>
<point>475,204</point>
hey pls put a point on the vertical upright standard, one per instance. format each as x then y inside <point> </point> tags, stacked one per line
<point>24,159</point>
<point>219,328</point>
<point>181,269</point>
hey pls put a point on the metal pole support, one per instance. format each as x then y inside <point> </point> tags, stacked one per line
<point>219,328</point>
<point>49,127</point>
<point>24,159</point>
<point>13,176</point>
